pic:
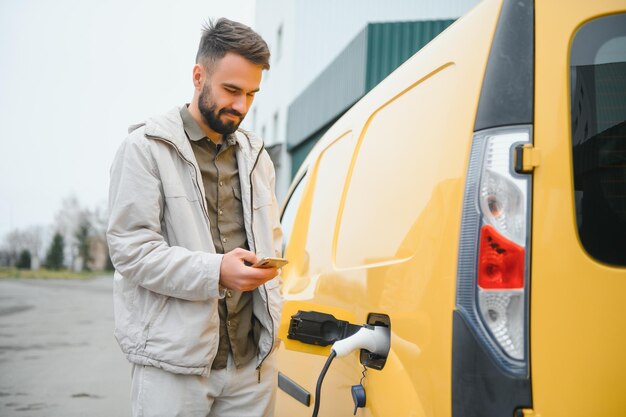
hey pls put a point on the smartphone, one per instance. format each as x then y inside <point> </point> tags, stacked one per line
<point>271,263</point>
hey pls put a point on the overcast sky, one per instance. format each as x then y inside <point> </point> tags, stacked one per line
<point>73,75</point>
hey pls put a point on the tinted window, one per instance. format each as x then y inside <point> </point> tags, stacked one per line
<point>598,116</point>
<point>289,212</point>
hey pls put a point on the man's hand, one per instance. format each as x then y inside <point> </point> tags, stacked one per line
<point>235,275</point>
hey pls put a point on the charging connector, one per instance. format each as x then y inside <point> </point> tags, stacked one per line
<point>372,338</point>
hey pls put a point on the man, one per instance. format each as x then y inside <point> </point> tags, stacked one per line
<point>192,204</point>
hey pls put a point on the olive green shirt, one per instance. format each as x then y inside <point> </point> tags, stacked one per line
<point>239,329</point>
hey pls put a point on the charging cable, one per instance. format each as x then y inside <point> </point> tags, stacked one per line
<point>318,387</point>
<point>372,338</point>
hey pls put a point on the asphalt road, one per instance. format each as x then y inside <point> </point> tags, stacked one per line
<point>58,356</point>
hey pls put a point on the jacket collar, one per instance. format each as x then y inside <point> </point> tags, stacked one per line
<point>250,144</point>
<point>169,126</point>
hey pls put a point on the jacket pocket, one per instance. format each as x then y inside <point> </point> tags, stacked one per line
<point>185,333</point>
<point>262,196</point>
<point>177,188</point>
<point>237,193</point>
<point>153,311</point>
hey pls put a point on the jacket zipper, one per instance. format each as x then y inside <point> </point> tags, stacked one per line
<point>195,174</point>
<point>267,296</point>
<point>206,214</point>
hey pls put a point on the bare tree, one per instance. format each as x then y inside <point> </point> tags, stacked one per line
<point>100,218</point>
<point>99,251</point>
<point>66,223</point>
<point>17,241</point>
<point>82,234</point>
<point>12,246</point>
<point>83,231</point>
<point>35,236</point>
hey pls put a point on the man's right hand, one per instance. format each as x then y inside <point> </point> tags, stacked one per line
<point>235,275</point>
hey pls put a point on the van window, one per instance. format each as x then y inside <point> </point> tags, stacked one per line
<point>289,212</point>
<point>598,119</point>
<point>328,179</point>
<point>324,183</point>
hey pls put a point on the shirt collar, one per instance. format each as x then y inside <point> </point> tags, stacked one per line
<point>194,131</point>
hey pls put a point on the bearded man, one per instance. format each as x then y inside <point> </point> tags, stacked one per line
<point>192,204</point>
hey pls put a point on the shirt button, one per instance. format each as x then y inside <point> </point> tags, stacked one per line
<point>228,323</point>
<point>221,183</point>
<point>221,211</point>
<point>229,294</point>
<point>224,240</point>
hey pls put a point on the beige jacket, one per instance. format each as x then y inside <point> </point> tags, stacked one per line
<point>166,282</point>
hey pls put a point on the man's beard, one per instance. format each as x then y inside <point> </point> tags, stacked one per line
<point>211,116</point>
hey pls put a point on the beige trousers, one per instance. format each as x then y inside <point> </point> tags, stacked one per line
<point>229,392</point>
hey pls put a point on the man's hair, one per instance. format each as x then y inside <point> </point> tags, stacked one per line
<point>223,36</point>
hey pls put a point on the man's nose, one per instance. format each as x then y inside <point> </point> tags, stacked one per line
<point>240,104</point>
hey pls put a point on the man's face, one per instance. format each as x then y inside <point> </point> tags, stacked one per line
<point>227,93</point>
<point>213,116</point>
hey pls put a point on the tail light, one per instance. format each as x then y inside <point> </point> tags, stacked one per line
<point>494,254</point>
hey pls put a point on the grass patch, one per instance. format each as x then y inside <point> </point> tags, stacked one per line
<point>48,273</point>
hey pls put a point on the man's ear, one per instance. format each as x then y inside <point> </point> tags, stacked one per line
<point>198,76</point>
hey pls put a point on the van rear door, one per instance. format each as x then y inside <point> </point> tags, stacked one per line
<point>578,313</point>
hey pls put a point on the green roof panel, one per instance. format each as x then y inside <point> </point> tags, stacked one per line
<point>372,55</point>
<point>390,44</point>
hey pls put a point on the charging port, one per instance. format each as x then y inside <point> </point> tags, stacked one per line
<point>372,360</point>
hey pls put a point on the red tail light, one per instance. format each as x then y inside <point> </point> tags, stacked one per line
<point>500,261</point>
<point>494,262</point>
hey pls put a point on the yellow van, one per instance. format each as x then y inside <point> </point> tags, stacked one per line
<point>473,204</point>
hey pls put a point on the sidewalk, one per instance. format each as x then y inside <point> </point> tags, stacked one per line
<point>58,356</point>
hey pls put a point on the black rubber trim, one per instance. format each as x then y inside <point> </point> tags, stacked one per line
<point>293,389</point>
<point>507,94</point>
<point>479,387</point>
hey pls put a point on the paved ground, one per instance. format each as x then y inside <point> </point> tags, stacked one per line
<point>58,356</point>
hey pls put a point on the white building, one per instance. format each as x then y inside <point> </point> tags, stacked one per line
<point>305,39</point>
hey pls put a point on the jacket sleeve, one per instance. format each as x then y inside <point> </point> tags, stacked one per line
<point>137,247</point>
